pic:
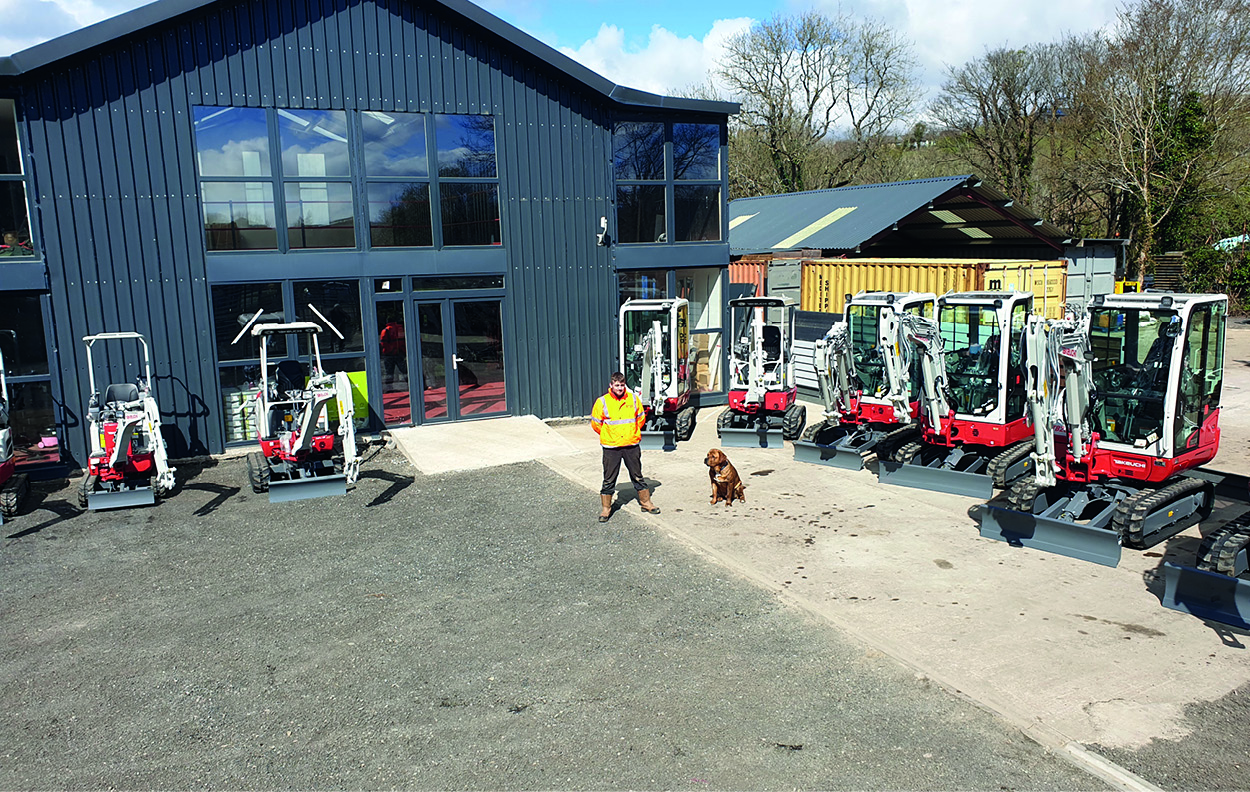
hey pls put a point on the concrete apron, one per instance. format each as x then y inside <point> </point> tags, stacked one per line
<point>1070,652</point>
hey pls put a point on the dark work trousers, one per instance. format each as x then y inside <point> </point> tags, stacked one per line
<point>612,457</point>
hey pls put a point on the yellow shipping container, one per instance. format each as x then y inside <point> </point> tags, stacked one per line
<point>826,282</point>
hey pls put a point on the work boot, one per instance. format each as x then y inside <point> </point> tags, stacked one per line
<point>606,500</point>
<point>644,500</point>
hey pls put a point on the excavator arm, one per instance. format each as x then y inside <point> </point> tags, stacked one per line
<point>925,339</point>
<point>1059,389</point>
<point>835,367</point>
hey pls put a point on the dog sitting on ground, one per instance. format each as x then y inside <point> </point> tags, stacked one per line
<point>726,486</point>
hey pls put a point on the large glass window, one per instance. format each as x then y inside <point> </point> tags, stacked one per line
<point>971,345</point>
<point>642,285</point>
<point>319,213</point>
<point>668,182</point>
<point>287,179</point>
<point>469,206</point>
<point>235,305</point>
<point>399,207</point>
<point>702,287</point>
<point>32,412</point>
<point>14,216</point>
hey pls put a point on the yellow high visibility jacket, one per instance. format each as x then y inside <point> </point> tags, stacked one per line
<point>618,421</point>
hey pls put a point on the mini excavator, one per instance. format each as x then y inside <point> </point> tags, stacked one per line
<point>763,406</point>
<point>655,359</point>
<point>868,382</point>
<point>298,458</point>
<point>1124,401</point>
<point>975,435</point>
<point>128,465</point>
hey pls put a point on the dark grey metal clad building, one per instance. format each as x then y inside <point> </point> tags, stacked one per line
<point>465,204</point>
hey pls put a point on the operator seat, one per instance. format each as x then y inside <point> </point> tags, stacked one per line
<point>122,393</point>
<point>772,343</point>
<point>290,376</point>
<point>1154,370</point>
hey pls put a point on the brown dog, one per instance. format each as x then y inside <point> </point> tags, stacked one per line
<point>726,486</point>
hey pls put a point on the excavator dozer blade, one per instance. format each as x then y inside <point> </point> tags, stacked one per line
<point>1207,595</point>
<point>1051,534</point>
<point>831,455</point>
<point>307,488</point>
<point>957,482</point>
<point>121,499</point>
<point>751,438</point>
<point>659,440</point>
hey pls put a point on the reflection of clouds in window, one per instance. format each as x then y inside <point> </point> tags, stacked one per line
<point>394,144</point>
<point>466,145</point>
<point>231,141</point>
<point>314,142</point>
<point>248,157</point>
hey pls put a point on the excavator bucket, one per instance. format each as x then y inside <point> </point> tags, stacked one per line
<point>837,456</point>
<point>1207,595</point>
<point>842,446</point>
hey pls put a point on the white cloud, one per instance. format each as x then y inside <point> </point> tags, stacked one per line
<point>31,22</point>
<point>947,33</point>
<point>666,63</point>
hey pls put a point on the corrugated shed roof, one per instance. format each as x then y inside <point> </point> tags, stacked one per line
<point>943,211</point>
<point>125,25</point>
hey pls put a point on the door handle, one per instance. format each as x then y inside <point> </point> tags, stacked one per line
<point>456,361</point>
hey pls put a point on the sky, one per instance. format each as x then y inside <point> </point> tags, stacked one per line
<point>664,46</point>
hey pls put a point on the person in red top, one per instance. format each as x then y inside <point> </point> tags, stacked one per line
<point>617,418</point>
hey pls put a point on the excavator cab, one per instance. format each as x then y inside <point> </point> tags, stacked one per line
<point>655,357</point>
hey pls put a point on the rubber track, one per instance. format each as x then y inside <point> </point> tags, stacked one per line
<point>1009,456</point>
<point>809,434</point>
<point>889,443</point>
<point>1219,549</point>
<point>11,496</point>
<point>1132,512</point>
<point>907,452</point>
<point>1022,494</point>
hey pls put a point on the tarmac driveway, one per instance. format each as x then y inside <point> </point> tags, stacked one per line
<point>467,630</point>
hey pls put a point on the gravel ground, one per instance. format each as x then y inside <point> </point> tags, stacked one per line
<point>466,631</point>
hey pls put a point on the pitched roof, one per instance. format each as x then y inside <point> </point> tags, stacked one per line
<point>125,25</point>
<point>941,211</point>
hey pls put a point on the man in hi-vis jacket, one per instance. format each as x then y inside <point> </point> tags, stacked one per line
<point>618,417</point>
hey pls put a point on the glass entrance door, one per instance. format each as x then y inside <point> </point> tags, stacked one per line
<point>461,359</point>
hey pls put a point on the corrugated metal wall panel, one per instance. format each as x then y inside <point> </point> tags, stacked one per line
<point>112,145</point>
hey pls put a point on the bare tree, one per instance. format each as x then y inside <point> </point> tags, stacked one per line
<point>1171,99</point>
<point>1001,109</point>
<point>804,80</point>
